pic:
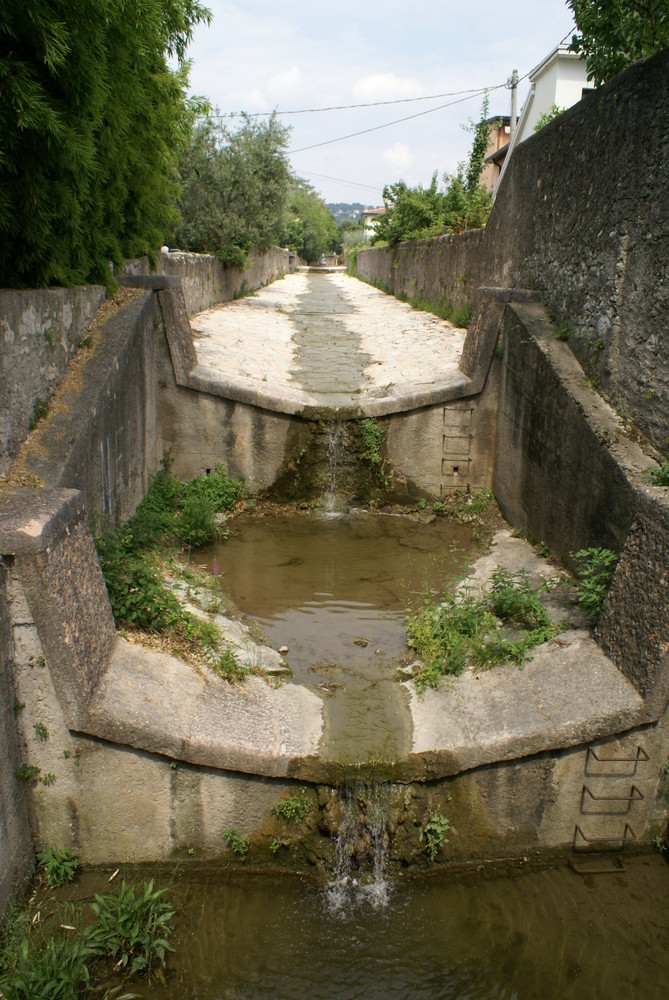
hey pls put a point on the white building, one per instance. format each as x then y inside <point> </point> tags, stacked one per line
<point>561,79</point>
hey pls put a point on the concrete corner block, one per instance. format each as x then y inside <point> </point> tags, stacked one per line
<point>31,520</point>
<point>178,331</point>
<point>484,328</point>
<point>47,533</point>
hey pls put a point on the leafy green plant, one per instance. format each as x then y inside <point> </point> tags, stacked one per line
<point>498,625</point>
<point>434,832</point>
<point>51,969</point>
<point>294,808</point>
<point>594,571</point>
<point>172,513</point>
<point>438,507</point>
<point>132,926</point>
<point>59,865</point>
<point>277,844</point>
<point>657,475</point>
<point>41,731</point>
<point>40,410</point>
<point>237,843</point>
<point>29,772</point>
<point>372,436</point>
<point>228,666</point>
<point>548,116</point>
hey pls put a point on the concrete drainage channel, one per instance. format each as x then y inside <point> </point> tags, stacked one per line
<point>500,753</point>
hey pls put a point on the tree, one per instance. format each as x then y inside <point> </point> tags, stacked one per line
<point>418,213</point>
<point>615,33</point>
<point>92,122</point>
<point>234,188</point>
<point>310,229</point>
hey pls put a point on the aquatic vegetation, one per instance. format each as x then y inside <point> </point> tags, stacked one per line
<point>132,929</point>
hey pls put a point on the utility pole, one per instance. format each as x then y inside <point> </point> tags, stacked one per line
<point>512,85</point>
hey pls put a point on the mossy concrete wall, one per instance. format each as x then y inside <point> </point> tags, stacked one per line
<point>580,215</point>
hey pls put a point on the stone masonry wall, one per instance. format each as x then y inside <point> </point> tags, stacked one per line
<point>39,333</point>
<point>581,215</point>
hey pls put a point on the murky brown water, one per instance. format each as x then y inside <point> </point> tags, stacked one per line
<point>333,590</point>
<point>545,935</point>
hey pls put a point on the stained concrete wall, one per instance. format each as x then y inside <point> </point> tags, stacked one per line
<point>15,840</point>
<point>581,216</point>
<point>205,280</point>
<point>39,332</point>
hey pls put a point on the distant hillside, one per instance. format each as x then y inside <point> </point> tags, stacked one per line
<point>345,210</point>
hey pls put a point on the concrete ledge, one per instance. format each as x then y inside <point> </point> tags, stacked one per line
<point>153,282</point>
<point>33,521</point>
<point>377,402</point>
<point>569,694</point>
<point>152,701</point>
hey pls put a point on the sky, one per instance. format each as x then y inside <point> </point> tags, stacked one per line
<point>258,56</point>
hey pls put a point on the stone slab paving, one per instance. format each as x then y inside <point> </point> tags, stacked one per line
<point>313,341</point>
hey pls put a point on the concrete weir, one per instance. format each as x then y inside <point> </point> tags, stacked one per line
<point>147,758</point>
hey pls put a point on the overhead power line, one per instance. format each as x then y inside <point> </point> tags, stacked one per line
<point>397,121</point>
<point>350,107</point>
<point>340,180</point>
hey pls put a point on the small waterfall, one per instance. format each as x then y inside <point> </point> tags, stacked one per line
<point>362,848</point>
<point>336,441</point>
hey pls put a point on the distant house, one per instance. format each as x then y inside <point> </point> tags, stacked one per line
<point>497,144</point>
<point>369,219</point>
<point>561,79</point>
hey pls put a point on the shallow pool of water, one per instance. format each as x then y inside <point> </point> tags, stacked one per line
<point>333,589</point>
<point>534,935</point>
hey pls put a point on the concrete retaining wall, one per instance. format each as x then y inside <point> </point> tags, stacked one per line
<point>581,216</point>
<point>101,437</point>
<point>39,332</point>
<point>205,280</point>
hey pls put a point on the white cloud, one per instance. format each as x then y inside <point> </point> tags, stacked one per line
<point>287,83</point>
<point>386,87</point>
<point>399,156</point>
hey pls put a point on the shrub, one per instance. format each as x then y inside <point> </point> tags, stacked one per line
<point>498,625</point>
<point>657,475</point>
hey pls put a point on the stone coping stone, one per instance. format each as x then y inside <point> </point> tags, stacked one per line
<point>32,520</point>
<point>568,694</point>
<point>155,702</point>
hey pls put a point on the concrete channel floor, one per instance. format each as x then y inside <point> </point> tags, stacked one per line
<point>326,340</point>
